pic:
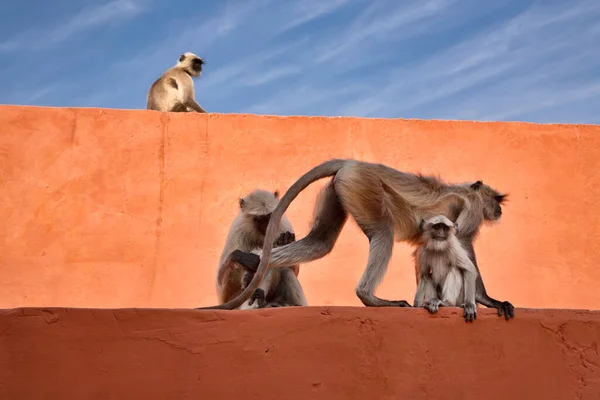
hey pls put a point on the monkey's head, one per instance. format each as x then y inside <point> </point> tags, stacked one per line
<point>436,231</point>
<point>191,63</point>
<point>492,200</point>
<point>258,206</point>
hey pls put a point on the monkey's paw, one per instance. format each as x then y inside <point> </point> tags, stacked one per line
<point>506,308</point>
<point>432,305</point>
<point>246,279</point>
<point>470,313</point>
<point>285,238</point>
<point>249,261</point>
<point>259,297</point>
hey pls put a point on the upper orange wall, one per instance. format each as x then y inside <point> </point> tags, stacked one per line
<point>114,208</point>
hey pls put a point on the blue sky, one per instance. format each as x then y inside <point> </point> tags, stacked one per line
<point>521,60</point>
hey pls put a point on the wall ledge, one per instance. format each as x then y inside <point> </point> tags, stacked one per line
<point>298,353</point>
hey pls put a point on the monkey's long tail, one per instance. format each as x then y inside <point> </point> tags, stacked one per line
<point>324,170</point>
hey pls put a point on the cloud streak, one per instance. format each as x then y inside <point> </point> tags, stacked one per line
<point>449,59</point>
<point>85,20</point>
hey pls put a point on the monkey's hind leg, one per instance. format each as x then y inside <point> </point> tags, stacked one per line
<point>179,107</point>
<point>381,243</point>
<point>330,218</point>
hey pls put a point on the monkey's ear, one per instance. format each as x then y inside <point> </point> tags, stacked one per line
<point>476,185</point>
<point>276,194</point>
<point>242,203</point>
<point>181,57</point>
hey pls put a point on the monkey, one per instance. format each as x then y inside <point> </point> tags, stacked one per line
<point>279,289</point>
<point>387,205</point>
<point>174,90</point>
<point>247,233</point>
<point>445,274</point>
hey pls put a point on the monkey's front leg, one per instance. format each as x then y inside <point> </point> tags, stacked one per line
<point>481,295</point>
<point>469,306</point>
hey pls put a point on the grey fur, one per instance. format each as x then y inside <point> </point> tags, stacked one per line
<point>445,274</point>
<point>174,90</point>
<point>247,233</point>
<point>385,203</point>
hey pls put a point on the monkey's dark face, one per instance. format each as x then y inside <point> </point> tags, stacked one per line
<point>492,209</point>
<point>439,231</point>
<point>261,222</point>
<point>197,64</point>
<point>492,201</point>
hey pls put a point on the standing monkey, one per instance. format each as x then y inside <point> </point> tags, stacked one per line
<point>387,204</point>
<point>174,90</point>
<point>445,274</point>
<point>247,233</point>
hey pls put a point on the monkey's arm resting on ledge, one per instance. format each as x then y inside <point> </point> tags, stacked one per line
<point>305,352</point>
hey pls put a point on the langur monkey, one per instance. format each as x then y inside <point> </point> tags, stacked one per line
<point>387,204</point>
<point>174,90</point>
<point>246,233</point>
<point>445,274</point>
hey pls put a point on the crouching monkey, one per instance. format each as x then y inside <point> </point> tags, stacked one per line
<point>445,274</point>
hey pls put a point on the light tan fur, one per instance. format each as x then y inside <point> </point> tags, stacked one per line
<point>386,203</point>
<point>174,90</point>
<point>247,233</point>
<point>445,274</point>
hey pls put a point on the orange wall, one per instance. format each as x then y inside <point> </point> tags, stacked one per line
<point>115,208</point>
<point>337,353</point>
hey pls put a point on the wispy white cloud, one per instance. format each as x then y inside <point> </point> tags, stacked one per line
<point>522,61</point>
<point>378,22</point>
<point>87,19</point>
<point>305,11</point>
<point>415,59</point>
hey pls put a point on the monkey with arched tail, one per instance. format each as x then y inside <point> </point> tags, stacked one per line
<point>174,90</point>
<point>445,274</point>
<point>247,232</point>
<point>387,204</point>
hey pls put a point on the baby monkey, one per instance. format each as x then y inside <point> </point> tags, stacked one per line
<point>445,274</point>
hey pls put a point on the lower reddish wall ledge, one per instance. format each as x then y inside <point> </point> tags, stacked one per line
<point>297,353</point>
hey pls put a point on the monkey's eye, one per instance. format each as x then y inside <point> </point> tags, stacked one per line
<point>500,198</point>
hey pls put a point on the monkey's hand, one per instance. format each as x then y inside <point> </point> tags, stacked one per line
<point>470,313</point>
<point>285,238</point>
<point>249,261</point>
<point>506,308</point>
<point>433,305</point>
<point>246,279</point>
<point>259,297</point>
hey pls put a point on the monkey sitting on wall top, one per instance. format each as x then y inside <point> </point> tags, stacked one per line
<point>174,90</point>
<point>445,274</point>
<point>280,287</point>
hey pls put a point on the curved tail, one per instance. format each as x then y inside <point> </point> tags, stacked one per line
<point>324,170</point>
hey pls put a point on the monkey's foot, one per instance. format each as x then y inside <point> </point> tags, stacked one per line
<point>285,238</point>
<point>274,304</point>
<point>470,313</point>
<point>259,297</point>
<point>506,308</point>
<point>433,305</point>
<point>249,261</point>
